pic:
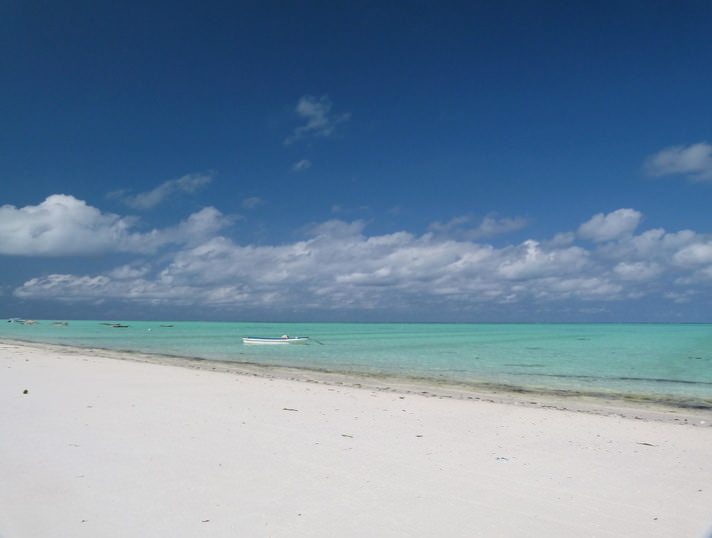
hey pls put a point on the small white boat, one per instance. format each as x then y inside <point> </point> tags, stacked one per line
<point>284,339</point>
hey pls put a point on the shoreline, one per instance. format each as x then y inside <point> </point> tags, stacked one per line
<point>95,446</point>
<point>599,404</point>
<point>663,368</point>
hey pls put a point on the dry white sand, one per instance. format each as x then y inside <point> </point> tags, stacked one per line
<point>100,447</point>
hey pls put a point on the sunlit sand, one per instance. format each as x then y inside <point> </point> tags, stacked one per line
<point>99,447</point>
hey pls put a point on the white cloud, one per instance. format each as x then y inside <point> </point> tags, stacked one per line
<point>530,260</point>
<point>300,166</point>
<point>562,239</point>
<point>319,120</point>
<point>693,161</point>
<point>62,225</point>
<point>146,200</point>
<point>340,267</point>
<point>695,254</point>
<point>65,226</point>
<point>198,227</point>
<point>639,271</point>
<point>337,265</point>
<point>651,245</point>
<point>614,225</point>
<point>129,272</point>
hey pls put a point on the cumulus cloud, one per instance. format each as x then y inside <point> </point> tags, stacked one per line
<point>338,265</point>
<point>198,227</point>
<point>637,270</point>
<point>605,227</point>
<point>129,271</point>
<point>320,122</point>
<point>695,254</point>
<point>533,260</point>
<point>146,200</point>
<point>65,226</point>
<point>693,161</point>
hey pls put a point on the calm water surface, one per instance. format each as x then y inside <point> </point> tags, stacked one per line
<point>669,363</point>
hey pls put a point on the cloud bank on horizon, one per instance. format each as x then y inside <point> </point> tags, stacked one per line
<point>337,265</point>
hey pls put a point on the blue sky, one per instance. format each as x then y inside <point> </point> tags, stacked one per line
<point>365,161</point>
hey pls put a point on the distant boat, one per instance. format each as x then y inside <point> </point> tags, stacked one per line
<point>284,339</point>
<point>60,324</point>
<point>30,322</point>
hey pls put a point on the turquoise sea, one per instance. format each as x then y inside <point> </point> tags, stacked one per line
<point>668,363</point>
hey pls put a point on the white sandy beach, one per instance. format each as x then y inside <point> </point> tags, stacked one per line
<point>100,447</point>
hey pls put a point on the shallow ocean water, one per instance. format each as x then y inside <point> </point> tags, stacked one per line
<point>670,363</point>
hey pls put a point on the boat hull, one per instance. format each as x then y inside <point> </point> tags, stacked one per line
<point>275,341</point>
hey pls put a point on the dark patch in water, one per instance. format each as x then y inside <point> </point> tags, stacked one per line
<point>615,378</point>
